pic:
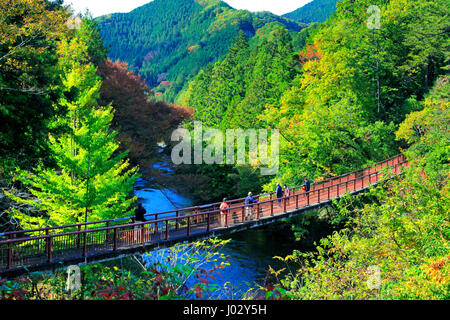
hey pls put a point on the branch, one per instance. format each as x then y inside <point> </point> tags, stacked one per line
<point>29,91</point>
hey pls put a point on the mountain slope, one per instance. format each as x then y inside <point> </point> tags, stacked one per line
<point>315,11</point>
<point>169,41</point>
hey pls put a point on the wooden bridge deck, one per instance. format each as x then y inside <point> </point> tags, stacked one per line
<point>60,246</point>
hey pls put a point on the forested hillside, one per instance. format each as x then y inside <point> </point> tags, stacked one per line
<point>337,102</point>
<point>170,41</point>
<point>314,11</point>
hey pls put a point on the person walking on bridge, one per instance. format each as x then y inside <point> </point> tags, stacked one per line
<point>307,185</point>
<point>224,211</point>
<point>279,193</point>
<point>249,201</point>
<point>139,217</point>
<point>287,193</point>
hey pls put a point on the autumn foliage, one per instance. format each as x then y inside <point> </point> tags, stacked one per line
<point>141,122</point>
<point>311,52</point>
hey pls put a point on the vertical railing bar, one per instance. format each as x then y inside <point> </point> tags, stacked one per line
<point>49,253</point>
<point>271,206</point>
<point>84,244</point>
<point>79,237</point>
<point>9,257</point>
<point>188,226</point>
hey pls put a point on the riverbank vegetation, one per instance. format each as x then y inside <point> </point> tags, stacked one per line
<point>395,244</point>
<point>183,271</point>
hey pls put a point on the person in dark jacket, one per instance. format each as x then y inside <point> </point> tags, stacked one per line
<point>307,185</point>
<point>139,217</point>
<point>249,201</point>
<point>140,213</point>
<point>279,194</point>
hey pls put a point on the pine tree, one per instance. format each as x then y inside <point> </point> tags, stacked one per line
<point>93,181</point>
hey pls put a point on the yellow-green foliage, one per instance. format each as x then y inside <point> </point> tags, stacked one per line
<point>404,233</point>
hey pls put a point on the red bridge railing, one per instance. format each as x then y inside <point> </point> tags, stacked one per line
<point>72,241</point>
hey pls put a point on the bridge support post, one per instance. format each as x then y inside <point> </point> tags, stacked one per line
<point>197,210</point>
<point>226,217</point>
<point>167,230</point>
<point>49,246</point>
<point>208,218</point>
<point>84,244</point>
<point>115,239</point>
<point>177,226</point>
<point>296,201</point>
<point>188,226</point>
<point>46,241</point>
<point>9,257</point>
<point>271,207</point>
<point>284,205</point>
<point>79,237</point>
<point>107,231</point>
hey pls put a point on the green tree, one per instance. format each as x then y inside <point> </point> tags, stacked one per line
<point>401,227</point>
<point>93,181</point>
<point>28,80</point>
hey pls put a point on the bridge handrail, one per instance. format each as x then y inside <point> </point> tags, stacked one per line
<point>11,233</point>
<point>149,222</point>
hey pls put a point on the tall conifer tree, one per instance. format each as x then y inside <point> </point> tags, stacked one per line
<point>93,180</point>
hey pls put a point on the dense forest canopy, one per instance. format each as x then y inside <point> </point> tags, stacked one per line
<point>314,11</point>
<point>169,41</point>
<point>338,101</point>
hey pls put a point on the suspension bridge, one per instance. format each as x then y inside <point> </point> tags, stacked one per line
<point>56,247</point>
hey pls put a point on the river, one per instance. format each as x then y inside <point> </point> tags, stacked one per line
<point>250,253</point>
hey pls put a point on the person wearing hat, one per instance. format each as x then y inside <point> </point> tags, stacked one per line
<point>249,201</point>
<point>223,213</point>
